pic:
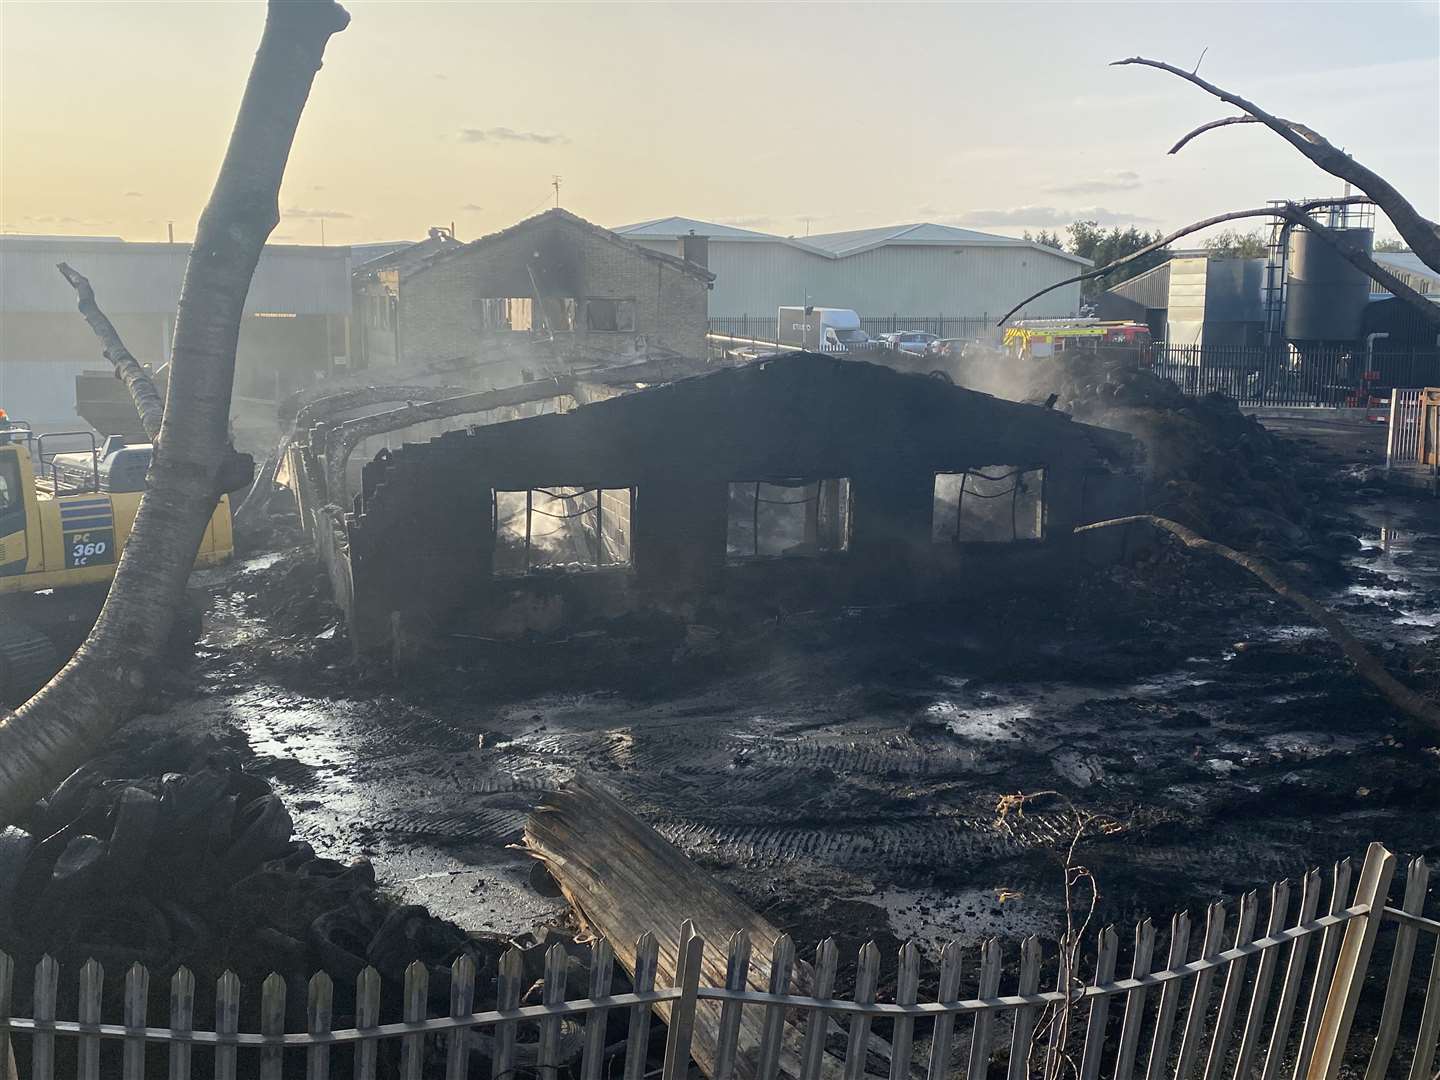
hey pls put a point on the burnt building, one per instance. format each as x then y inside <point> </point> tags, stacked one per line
<point>550,294</point>
<point>794,482</point>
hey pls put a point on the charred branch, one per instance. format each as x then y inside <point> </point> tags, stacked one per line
<point>127,369</point>
<point>1366,663</point>
<point>1422,234</point>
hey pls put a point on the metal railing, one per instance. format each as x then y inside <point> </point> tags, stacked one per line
<point>1402,436</point>
<point>970,327</point>
<point>1248,1031</point>
<point>1326,377</point>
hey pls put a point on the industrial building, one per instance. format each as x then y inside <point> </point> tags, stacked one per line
<point>545,295</point>
<point>917,269</point>
<point>791,483</point>
<point>296,328</point>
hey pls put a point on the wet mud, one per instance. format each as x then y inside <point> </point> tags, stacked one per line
<point>842,769</point>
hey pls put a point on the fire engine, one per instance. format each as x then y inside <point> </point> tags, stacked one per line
<point>1039,338</point>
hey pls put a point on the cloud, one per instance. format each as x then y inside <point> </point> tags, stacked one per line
<point>134,194</point>
<point>472,208</point>
<point>60,219</point>
<point>1044,217</point>
<point>1123,180</point>
<point>505,134</point>
<point>316,215</point>
<point>746,222</point>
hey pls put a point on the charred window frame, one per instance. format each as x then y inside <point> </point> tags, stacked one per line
<point>561,529</point>
<point>610,316</point>
<point>507,313</point>
<point>788,517</point>
<point>989,504</point>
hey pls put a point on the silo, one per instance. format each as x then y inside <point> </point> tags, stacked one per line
<point>1325,296</point>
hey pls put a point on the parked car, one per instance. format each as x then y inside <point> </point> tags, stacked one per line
<point>909,341</point>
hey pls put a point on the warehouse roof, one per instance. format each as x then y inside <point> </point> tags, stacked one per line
<point>838,245</point>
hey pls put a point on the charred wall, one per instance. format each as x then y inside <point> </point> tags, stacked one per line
<point>423,540</point>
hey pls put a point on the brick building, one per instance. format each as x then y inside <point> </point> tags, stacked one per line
<point>550,294</point>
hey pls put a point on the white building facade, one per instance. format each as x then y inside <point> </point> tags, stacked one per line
<point>919,270</point>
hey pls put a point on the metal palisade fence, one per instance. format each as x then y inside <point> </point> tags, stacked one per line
<point>1230,997</point>
<point>969,327</point>
<point>1329,376</point>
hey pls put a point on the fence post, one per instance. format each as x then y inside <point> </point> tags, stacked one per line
<point>682,1013</point>
<point>1350,966</point>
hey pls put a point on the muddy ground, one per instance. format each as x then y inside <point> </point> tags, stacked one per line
<point>842,769</point>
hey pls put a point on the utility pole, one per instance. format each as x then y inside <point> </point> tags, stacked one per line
<point>555,180</point>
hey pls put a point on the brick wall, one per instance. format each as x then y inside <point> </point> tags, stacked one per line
<point>441,312</point>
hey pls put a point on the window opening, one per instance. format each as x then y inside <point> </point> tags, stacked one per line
<point>617,315</point>
<point>788,517</point>
<point>561,528</point>
<point>991,504</point>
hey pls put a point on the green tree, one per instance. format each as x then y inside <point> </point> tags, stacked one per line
<point>1234,244</point>
<point>1090,241</point>
<point>1391,243</point>
<point>1046,239</point>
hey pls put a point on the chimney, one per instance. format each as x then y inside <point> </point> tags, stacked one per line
<point>695,249</point>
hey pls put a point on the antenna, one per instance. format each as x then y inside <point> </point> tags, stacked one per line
<point>555,181</point>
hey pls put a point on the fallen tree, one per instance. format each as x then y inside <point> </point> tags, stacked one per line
<point>1366,663</point>
<point>108,679</point>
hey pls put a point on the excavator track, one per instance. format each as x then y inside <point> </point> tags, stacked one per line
<point>27,659</point>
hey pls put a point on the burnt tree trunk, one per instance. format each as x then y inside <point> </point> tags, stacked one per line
<point>108,679</point>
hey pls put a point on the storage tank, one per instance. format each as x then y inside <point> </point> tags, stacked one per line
<point>1325,296</point>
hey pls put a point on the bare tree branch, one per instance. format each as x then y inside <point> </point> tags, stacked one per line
<point>1225,122</point>
<point>1166,241</point>
<point>127,368</point>
<point>1422,234</point>
<point>1366,663</point>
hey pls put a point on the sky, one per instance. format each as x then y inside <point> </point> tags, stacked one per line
<point>784,118</point>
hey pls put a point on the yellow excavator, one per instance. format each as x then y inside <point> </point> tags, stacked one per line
<point>64,519</point>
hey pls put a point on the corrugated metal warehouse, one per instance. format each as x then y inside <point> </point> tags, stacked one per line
<point>296,330</point>
<point>920,269</point>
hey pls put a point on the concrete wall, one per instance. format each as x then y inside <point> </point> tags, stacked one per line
<point>756,278</point>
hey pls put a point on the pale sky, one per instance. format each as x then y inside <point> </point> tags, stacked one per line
<point>993,116</point>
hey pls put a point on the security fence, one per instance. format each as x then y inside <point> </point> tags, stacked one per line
<point>1287,996</point>
<point>970,327</point>
<point>1330,376</point>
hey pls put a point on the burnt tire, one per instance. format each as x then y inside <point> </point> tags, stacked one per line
<point>27,660</point>
<point>943,376</point>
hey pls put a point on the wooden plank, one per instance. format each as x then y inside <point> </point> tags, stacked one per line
<point>552,992</point>
<point>1294,976</point>
<point>1417,877</point>
<point>827,955</point>
<point>978,1066</point>
<point>1233,990</point>
<point>727,1038</point>
<point>367,1015</point>
<point>647,958</point>
<point>1169,998</point>
<point>602,973</point>
<point>1264,978</point>
<point>907,992</point>
<point>1324,968</point>
<point>1351,964</point>
<point>679,1036</point>
<point>623,879</point>
<point>1134,1002</point>
<point>416,991</point>
<point>867,977</point>
<point>42,1044</point>
<point>92,982</point>
<point>319,1011</point>
<point>1106,949</point>
<point>272,1022</point>
<point>1192,1037</point>
<point>948,990</point>
<point>1022,1039</point>
<point>227,1022</point>
<point>182,1019</point>
<point>782,960</point>
<point>1429,1034</point>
